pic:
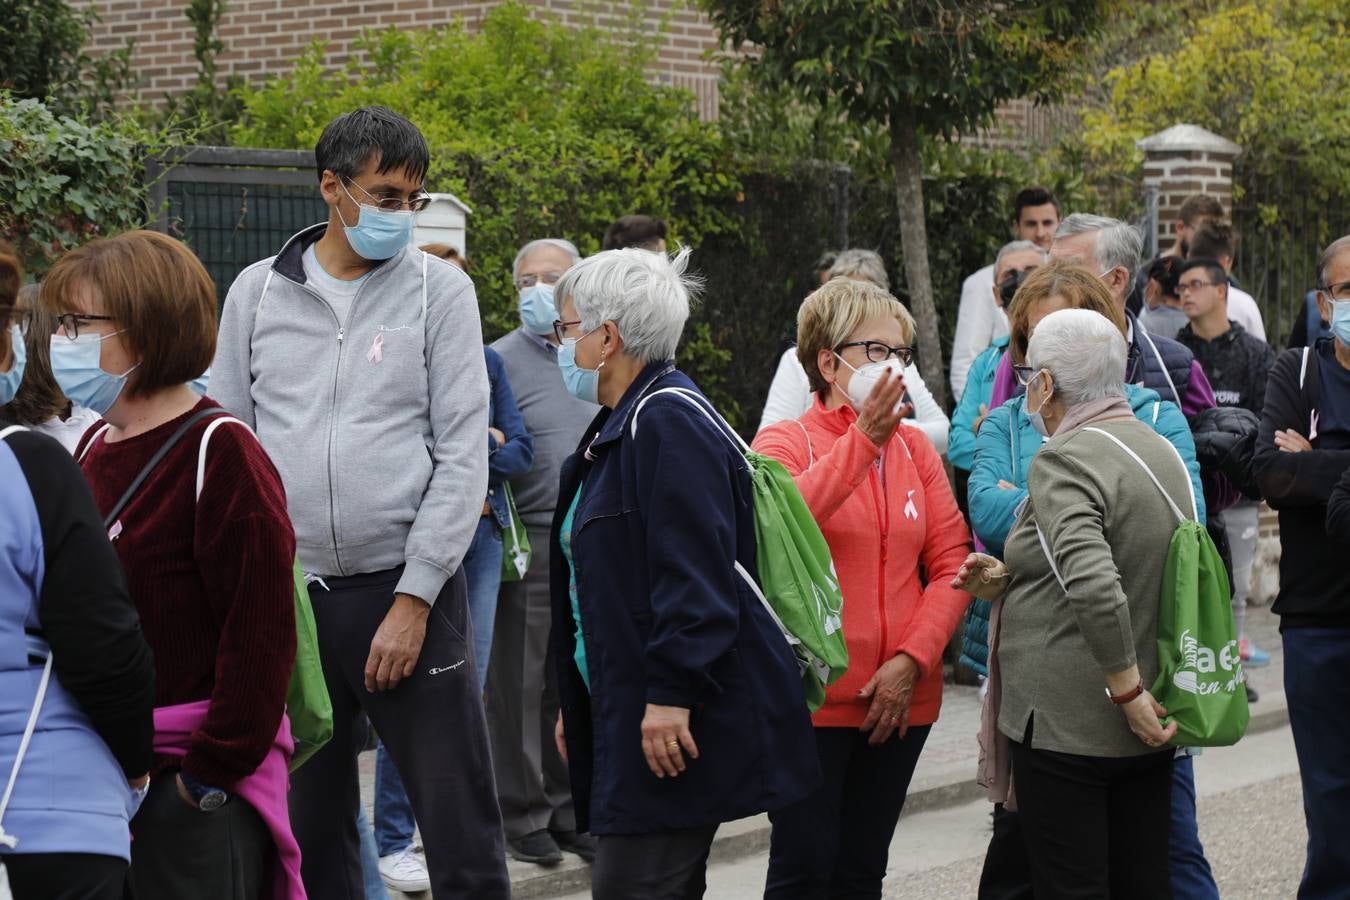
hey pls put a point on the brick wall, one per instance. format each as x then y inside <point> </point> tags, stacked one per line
<point>1185,160</point>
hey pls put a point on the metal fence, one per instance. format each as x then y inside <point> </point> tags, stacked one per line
<point>1281,232</point>
<point>234,206</point>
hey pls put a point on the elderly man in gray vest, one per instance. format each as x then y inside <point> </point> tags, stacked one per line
<point>522,694</point>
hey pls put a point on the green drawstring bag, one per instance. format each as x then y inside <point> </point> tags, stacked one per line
<point>798,585</point>
<point>308,705</point>
<point>515,541</point>
<point>1200,677</point>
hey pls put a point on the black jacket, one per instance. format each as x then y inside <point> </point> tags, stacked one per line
<point>1225,441</point>
<point>1236,363</point>
<point>1314,583</point>
<point>1338,511</point>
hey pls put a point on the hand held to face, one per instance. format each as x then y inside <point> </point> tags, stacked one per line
<point>882,411</point>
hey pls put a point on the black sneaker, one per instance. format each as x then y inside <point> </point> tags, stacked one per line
<point>1252,695</point>
<point>535,847</point>
<point>582,845</point>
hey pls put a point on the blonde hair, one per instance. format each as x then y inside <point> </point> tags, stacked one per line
<point>1080,288</point>
<point>833,312</point>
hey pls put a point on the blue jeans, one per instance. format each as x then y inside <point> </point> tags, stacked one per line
<point>394,823</point>
<point>1318,693</point>
<point>370,860</point>
<point>1189,870</point>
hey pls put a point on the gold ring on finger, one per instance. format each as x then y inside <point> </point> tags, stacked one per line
<point>674,745</point>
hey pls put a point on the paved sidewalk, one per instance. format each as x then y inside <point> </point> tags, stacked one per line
<point>945,776</point>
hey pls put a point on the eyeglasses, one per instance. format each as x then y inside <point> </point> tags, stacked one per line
<point>71,322</point>
<point>878,352</point>
<point>1185,287</point>
<point>1340,291</point>
<point>1024,374</point>
<point>529,281</point>
<point>560,328</point>
<point>391,203</point>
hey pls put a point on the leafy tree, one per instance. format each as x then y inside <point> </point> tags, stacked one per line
<point>915,68</point>
<point>42,57</point>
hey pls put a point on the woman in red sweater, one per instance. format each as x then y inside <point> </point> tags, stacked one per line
<point>207,553</point>
<point>880,495</point>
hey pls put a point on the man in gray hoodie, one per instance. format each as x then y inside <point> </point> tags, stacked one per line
<point>358,361</point>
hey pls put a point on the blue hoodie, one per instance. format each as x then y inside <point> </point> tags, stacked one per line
<point>1004,449</point>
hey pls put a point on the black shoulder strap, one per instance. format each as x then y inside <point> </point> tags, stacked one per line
<point>155,460</point>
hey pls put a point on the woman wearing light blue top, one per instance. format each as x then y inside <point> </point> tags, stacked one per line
<point>1014,261</point>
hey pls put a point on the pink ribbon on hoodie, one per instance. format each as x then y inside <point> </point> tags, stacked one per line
<point>265,790</point>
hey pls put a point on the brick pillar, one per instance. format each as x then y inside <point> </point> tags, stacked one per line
<point>1186,160</point>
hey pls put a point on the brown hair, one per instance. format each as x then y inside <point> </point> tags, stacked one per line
<point>1198,207</point>
<point>834,311</point>
<point>447,253</point>
<point>11,276</point>
<point>157,291</point>
<point>39,398</point>
<point>1080,288</point>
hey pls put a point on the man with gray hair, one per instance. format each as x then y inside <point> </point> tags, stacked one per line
<point>862,265</point>
<point>1112,248</point>
<point>522,693</point>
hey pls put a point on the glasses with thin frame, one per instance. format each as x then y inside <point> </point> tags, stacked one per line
<point>71,322</point>
<point>876,351</point>
<point>1024,374</point>
<point>560,328</point>
<point>390,203</point>
<point>1185,287</point>
<point>529,281</point>
<point>1339,291</point>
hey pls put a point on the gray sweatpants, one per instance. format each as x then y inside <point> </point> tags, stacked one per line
<point>1241,520</point>
<point>433,727</point>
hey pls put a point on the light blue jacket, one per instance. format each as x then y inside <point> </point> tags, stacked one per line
<point>979,388</point>
<point>1004,453</point>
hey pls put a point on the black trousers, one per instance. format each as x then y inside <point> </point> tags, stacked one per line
<point>433,727</point>
<point>836,842</point>
<point>664,865</point>
<point>178,851</point>
<point>66,876</point>
<point>1095,827</point>
<point>1006,874</point>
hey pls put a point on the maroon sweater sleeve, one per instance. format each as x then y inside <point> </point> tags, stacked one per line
<point>244,549</point>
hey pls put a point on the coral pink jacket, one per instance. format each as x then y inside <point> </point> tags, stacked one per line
<point>886,515</point>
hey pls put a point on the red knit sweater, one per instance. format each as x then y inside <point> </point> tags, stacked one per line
<point>212,580</point>
<point>881,526</point>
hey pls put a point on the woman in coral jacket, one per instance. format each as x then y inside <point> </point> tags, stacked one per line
<point>883,501</point>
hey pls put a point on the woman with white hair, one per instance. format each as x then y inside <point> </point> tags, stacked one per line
<point>1078,613</point>
<point>682,706</point>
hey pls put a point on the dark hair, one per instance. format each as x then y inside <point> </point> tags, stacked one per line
<point>1165,270</point>
<point>825,261</point>
<point>1199,206</point>
<point>371,132</point>
<point>158,294</point>
<point>11,277</point>
<point>1032,196</point>
<point>447,253</point>
<point>1212,240</point>
<point>39,399</point>
<point>1211,268</point>
<point>634,231</point>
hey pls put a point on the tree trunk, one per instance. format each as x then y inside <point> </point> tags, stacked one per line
<point>914,241</point>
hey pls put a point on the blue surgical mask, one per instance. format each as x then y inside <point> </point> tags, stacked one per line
<point>75,364</point>
<point>584,384</point>
<point>10,381</point>
<point>1037,419</point>
<point>200,383</point>
<point>537,311</point>
<point>378,233</point>
<point>1340,320</point>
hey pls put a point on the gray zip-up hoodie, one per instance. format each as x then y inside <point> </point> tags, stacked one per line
<point>376,423</point>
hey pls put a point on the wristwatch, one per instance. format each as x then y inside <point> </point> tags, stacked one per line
<point>1122,699</point>
<point>208,798</point>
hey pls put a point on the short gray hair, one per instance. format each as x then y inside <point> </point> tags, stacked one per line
<point>1084,353</point>
<point>646,294</point>
<point>1016,247</point>
<point>1118,244</point>
<point>861,264</point>
<point>557,243</point>
<point>1334,249</point>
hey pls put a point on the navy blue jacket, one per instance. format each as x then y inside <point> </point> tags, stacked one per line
<point>666,620</point>
<point>514,458</point>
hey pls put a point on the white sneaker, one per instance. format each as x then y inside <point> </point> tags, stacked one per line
<point>405,871</point>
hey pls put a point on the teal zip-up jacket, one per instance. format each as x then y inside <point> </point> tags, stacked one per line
<point>1003,452</point>
<point>979,388</point>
